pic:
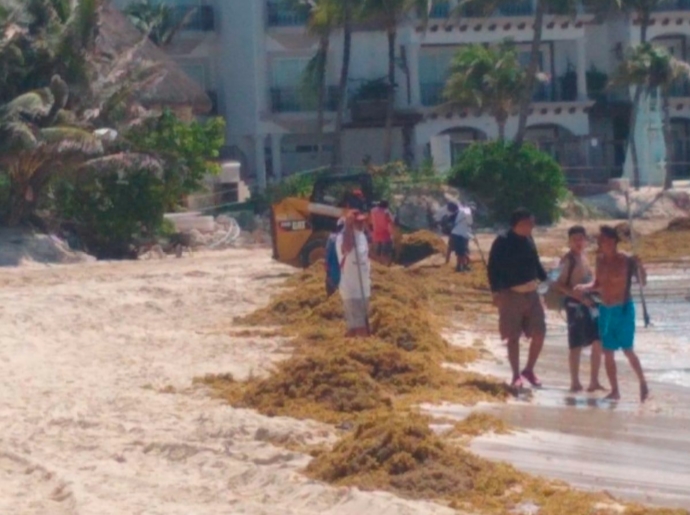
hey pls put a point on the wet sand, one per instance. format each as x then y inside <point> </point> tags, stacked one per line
<point>633,451</point>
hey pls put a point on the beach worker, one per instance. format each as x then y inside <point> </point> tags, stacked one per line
<point>382,232</point>
<point>456,222</point>
<point>332,263</point>
<point>515,272</point>
<point>613,283</point>
<point>355,274</point>
<point>581,310</point>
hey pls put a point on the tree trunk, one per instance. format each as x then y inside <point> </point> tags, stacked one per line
<point>668,179</point>
<point>323,52</point>
<point>337,159</point>
<point>644,25</point>
<point>17,206</point>
<point>631,137</point>
<point>533,68</point>
<point>645,16</point>
<point>501,129</point>
<point>390,104</point>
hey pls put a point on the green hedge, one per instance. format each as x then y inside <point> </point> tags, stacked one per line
<point>506,177</point>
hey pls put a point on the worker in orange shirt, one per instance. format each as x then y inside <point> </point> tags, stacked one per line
<point>382,232</point>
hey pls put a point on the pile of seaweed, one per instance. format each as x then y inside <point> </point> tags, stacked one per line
<point>669,244</point>
<point>679,225</point>
<point>401,454</point>
<point>371,387</point>
<point>418,246</point>
<point>335,379</point>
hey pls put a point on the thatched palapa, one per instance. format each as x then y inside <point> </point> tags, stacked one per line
<point>172,87</point>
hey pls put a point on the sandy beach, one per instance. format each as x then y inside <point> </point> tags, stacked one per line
<point>100,415</point>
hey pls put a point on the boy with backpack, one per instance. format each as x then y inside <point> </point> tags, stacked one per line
<point>581,311</point>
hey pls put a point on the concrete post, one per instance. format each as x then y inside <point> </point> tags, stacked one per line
<point>260,161</point>
<point>276,154</point>
<point>413,65</point>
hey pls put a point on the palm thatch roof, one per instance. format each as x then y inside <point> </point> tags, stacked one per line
<point>172,87</point>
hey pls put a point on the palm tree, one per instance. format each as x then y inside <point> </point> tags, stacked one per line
<point>650,68</point>
<point>390,13</point>
<point>36,143</point>
<point>324,16</point>
<point>489,79</point>
<point>158,20</point>
<point>542,7</point>
<point>643,10</point>
<point>348,8</point>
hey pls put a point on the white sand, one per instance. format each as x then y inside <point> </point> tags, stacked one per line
<point>86,352</point>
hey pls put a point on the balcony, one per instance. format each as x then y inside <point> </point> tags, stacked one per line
<point>680,89</point>
<point>295,100</point>
<point>281,15</point>
<point>673,5</point>
<point>564,90</point>
<point>202,19</point>
<point>507,8</point>
<point>431,93</point>
<point>440,10</point>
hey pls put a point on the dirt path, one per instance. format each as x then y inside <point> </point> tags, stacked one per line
<point>87,354</point>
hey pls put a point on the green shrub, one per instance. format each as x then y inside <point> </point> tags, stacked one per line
<point>506,177</point>
<point>111,210</point>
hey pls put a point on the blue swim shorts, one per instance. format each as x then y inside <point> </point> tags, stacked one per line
<point>617,326</point>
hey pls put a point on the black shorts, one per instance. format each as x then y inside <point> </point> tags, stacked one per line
<point>459,245</point>
<point>384,248</point>
<point>583,329</point>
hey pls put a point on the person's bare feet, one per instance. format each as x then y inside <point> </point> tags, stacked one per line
<point>613,396</point>
<point>576,388</point>
<point>644,392</point>
<point>596,387</point>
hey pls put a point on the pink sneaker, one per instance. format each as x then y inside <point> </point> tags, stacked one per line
<point>531,378</point>
<point>517,383</point>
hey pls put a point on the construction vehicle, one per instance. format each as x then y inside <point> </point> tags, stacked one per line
<point>300,226</point>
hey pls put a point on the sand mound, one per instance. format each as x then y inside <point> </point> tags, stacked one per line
<point>646,203</point>
<point>22,247</point>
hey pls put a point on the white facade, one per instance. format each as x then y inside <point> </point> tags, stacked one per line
<point>255,56</point>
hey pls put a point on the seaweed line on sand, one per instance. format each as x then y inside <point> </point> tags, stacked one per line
<point>372,387</point>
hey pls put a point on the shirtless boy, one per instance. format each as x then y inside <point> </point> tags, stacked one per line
<point>614,274</point>
<point>580,309</point>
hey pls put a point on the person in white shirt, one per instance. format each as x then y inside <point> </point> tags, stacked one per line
<point>457,220</point>
<point>355,274</point>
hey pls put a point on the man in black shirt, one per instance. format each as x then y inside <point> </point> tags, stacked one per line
<point>515,272</point>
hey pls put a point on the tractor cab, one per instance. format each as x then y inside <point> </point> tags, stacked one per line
<point>352,191</point>
<point>300,226</point>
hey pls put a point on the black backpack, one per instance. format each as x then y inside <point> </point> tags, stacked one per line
<point>448,222</point>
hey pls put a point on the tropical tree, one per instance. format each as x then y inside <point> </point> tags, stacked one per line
<point>43,47</point>
<point>542,8</point>
<point>348,9</point>
<point>487,78</point>
<point>389,13</point>
<point>39,140</point>
<point>158,20</point>
<point>650,68</point>
<point>323,18</point>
